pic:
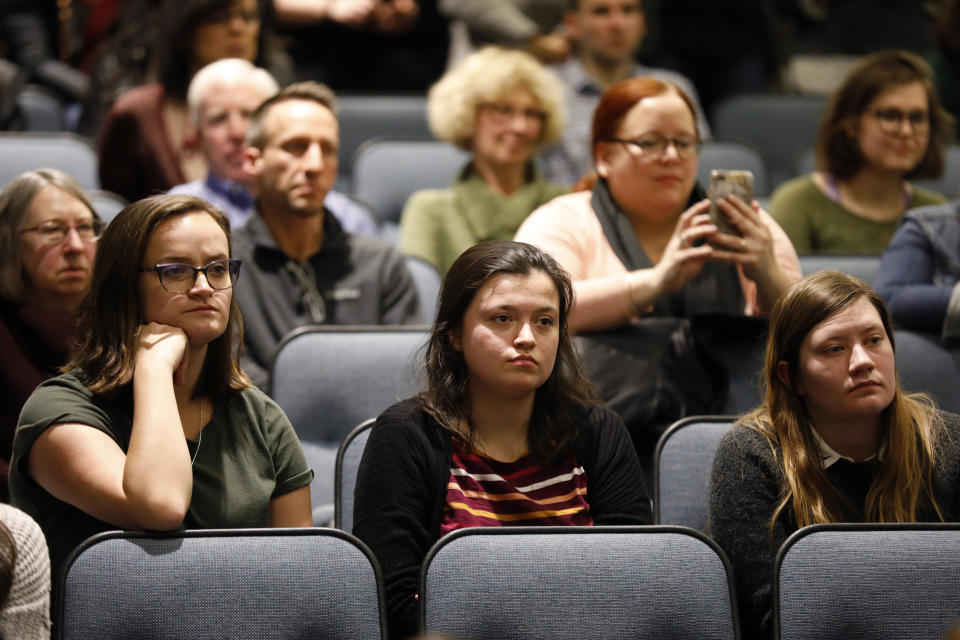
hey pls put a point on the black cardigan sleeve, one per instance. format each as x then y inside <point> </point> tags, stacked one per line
<point>397,502</point>
<point>616,490</point>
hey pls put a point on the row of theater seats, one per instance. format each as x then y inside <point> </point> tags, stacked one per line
<point>525,583</point>
<point>320,376</point>
<point>384,172</point>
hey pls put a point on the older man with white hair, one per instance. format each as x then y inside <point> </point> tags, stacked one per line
<point>221,97</point>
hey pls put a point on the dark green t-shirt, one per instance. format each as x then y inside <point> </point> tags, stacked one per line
<point>247,455</point>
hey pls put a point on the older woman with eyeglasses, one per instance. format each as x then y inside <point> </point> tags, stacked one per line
<point>502,106</point>
<point>153,425</point>
<point>48,238</point>
<point>882,128</point>
<point>639,240</point>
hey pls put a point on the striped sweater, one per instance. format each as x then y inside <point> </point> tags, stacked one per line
<point>483,492</point>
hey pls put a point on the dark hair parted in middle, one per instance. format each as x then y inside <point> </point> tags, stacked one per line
<point>110,315</point>
<point>559,402</point>
<point>838,152</point>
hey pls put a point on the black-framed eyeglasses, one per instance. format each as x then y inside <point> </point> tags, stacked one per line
<point>654,147</point>
<point>891,120</point>
<point>54,232</point>
<point>177,277</point>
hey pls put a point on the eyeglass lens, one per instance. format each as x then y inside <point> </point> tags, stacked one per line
<point>893,119</point>
<point>220,274</point>
<point>55,232</point>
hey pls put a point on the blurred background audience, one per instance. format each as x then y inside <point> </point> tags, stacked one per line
<point>144,146</point>
<point>607,35</point>
<point>48,238</point>
<point>501,106</point>
<point>883,127</point>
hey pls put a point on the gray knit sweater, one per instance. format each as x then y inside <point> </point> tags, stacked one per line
<point>745,489</point>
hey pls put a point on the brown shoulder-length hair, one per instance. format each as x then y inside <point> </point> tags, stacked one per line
<point>106,335</point>
<point>910,425</point>
<point>613,107</point>
<point>839,153</point>
<point>559,402</point>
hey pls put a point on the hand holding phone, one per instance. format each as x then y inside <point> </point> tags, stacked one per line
<point>728,182</point>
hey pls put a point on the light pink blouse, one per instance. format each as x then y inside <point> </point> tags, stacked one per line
<point>568,229</point>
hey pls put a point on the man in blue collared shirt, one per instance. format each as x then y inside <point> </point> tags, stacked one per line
<point>607,34</point>
<point>220,99</point>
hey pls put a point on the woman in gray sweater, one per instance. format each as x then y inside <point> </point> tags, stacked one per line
<point>835,440</point>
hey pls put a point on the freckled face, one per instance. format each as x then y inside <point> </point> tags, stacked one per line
<point>510,335</point>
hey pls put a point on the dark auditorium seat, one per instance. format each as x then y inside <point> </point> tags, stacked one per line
<point>925,364</point>
<point>329,379</point>
<point>683,461</point>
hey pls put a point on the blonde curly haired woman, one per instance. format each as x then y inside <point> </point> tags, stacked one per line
<point>502,106</point>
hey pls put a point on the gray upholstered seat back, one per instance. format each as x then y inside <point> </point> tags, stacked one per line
<point>883,582</point>
<point>348,463</point>
<point>863,267</point>
<point>576,583</point>
<point>779,126</point>
<point>683,461</point>
<point>280,584</point>
<point>68,152</point>
<point>925,364</point>
<point>329,379</point>
<point>387,172</point>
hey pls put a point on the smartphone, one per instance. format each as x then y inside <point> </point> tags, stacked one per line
<point>726,182</point>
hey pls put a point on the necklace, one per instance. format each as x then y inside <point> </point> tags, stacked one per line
<point>199,435</point>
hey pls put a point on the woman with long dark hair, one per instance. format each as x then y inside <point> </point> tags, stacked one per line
<point>508,431</point>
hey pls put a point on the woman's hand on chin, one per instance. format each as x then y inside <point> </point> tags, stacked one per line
<point>753,249</point>
<point>687,250</point>
<point>162,345</point>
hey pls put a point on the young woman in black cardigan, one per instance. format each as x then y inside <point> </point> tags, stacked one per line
<point>508,432</point>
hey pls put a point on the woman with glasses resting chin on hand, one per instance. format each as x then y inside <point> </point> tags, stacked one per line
<point>48,238</point>
<point>153,425</point>
<point>883,127</point>
<point>640,241</point>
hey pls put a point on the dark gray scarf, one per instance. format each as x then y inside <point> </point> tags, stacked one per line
<point>716,289</point>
